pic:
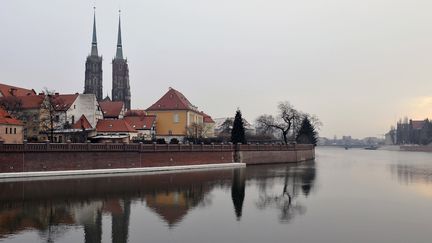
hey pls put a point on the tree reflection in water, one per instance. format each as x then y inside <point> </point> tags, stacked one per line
<point>296,178</point>
<point>238,191</point>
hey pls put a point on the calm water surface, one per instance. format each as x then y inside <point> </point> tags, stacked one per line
<point>344,196</point>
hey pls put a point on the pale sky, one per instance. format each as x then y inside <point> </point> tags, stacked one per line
<point>359,65</point>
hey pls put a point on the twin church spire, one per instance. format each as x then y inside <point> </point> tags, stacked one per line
<point>119,52</point>
<point>94,50</point>
<point>120,74</point>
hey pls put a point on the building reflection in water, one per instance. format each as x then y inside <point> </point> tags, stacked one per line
<point>52,207</point>
<point>408,174</point>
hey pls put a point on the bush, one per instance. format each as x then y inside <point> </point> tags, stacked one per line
<point>160,141</point>
<point>174,141</point>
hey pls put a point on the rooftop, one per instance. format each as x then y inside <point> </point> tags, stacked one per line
<point>7,119</point>
<point>9,90</point>
<point>141,122</point>
<point>172,100</point>
<point>111,109</point>
<point>114,126</point>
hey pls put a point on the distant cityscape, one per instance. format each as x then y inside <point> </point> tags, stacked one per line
<point>351,142</point>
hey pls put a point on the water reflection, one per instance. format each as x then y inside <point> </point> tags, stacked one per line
<point>238,191</point>
<point>55,207</point>
<point>296,179</point>
<point>408,174</point>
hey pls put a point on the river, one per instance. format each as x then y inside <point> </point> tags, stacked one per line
<point>343,196</point>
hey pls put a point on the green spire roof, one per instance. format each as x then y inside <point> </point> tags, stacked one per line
<point>119,52</point>
<point>94,50</point>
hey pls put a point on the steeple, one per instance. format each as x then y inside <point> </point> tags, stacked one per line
<point>120,73</point>
<point>93,68</point>
<point>119,53</point>
<point>94,50</point>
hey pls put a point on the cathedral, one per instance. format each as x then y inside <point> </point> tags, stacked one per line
<point>120,72</point>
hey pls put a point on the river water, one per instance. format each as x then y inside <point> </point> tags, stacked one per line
<point>343,196</point>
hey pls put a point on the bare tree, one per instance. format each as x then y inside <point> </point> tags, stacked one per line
<point>50,113</point>
<point>196,131</point>
<point>288,119</point>
<point>227,126</point>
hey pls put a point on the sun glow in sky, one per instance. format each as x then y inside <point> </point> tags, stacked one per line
<point>358,65</point>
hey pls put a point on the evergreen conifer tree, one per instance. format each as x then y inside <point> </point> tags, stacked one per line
<point>238,130</point>
<point>307,133</point>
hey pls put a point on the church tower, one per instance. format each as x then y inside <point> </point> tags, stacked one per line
<point>120,74</point>
<point>93,68</point>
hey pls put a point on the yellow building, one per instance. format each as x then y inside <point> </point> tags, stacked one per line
<point>177,118</point>
<point>11,129</point>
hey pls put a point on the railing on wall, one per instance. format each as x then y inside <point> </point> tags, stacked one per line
<point>113,147</point>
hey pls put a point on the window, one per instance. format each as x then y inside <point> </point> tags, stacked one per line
<point>176,118</point>
<point>6,130</point>
<point>73,119</point>
<point>169,132</point>
<point>10,130</point>
<point>57,118</point>
<point>15,130</point>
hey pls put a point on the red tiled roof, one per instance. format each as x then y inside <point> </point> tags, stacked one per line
<point>82,123</point>
<point>135,113</point>
<point>172,100</point>
<point>62,102</point>
<point>207,118</point>
<point>141,122</point>
<point>32,101</point>
<point>8,90</point>
<point>417,124</point>
<point>111,109</point>
<point>7,119</point>
<point>118,125</point>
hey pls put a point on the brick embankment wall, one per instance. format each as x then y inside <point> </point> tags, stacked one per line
<point>275,154</point>
<point>57,161</point>
<point>63,157</point>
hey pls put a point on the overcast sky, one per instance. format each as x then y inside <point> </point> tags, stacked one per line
<point>359,65</point>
